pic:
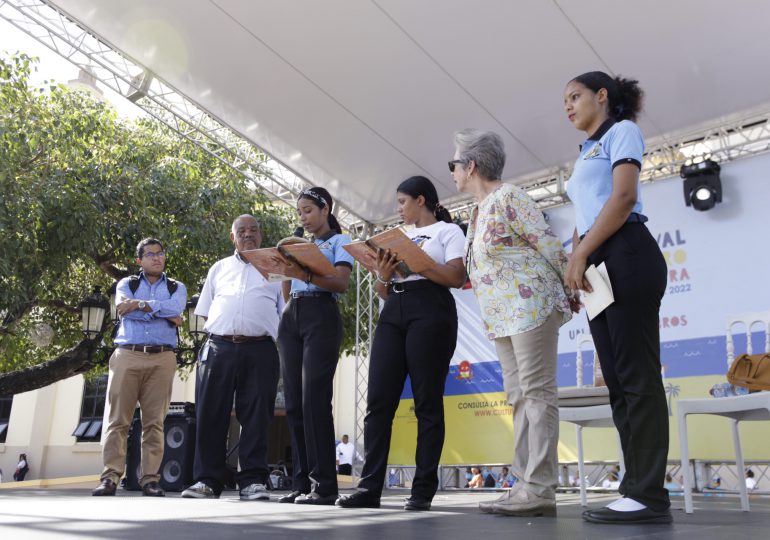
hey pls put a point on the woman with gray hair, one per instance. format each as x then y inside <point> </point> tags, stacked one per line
<point>516,265</point>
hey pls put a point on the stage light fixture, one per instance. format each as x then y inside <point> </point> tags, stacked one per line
<point>702,186</point>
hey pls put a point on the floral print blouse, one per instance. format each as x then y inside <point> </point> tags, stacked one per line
<point>516,264</point>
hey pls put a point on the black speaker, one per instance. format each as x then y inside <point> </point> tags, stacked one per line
<point>176,469</point>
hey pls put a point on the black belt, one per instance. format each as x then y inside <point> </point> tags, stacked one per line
<point>240,339</point>
<point>147,349</point>
<point>632,218</point>
<point>404,286</point>
<point>311,294</point>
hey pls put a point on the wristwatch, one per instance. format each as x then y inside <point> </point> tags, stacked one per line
<point>142,304</point>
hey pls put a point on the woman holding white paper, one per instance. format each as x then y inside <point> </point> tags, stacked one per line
<point>416,337</point>
<point>604,188</point>
<point>516,265</point>
<point>309,339</point>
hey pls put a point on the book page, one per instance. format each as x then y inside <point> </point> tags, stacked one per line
<point>364,254</point>
<point>309,256</point>
<point>267,261</point>
<point>415,259</point>
<point>597,301</point>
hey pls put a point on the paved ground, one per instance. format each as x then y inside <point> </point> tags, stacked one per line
<point>71,513</point>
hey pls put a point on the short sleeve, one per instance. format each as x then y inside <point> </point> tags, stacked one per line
<point>341,256</point>
<point>454,243</point>
<point>626,144</point>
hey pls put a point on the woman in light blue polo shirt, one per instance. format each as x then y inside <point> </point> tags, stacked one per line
<point>604,188</point>
<point>309,339</point>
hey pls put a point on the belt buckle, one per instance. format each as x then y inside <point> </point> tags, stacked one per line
<point>398,288</point>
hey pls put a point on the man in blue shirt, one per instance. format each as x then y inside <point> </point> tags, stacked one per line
<point>142,367</point>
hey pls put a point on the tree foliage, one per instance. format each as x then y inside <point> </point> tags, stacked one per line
<point>79,188</point>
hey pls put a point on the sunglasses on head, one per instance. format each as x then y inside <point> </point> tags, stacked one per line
<point>455,162</point>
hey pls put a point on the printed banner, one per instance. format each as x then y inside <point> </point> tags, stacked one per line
<point>718,264</point>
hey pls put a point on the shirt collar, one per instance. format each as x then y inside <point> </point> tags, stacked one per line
<point>142,276</point>
<point>604,128</point>
<point>326,236</point>
<point>238,256</point>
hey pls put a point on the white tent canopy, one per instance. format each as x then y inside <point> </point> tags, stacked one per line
<point>357,95</point>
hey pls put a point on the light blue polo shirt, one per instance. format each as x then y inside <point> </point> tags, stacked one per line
<point>590,185</point>
<point>331,246</point>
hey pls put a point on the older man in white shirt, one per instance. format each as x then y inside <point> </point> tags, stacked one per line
<point>240,357</point>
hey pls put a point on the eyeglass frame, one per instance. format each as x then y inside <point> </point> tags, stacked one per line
<point>455,162</point>
<point>154,254</point>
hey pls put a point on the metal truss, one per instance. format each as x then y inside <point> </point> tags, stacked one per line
<point>366,310</point>
<point>55,29</point>
<point>746,135</point>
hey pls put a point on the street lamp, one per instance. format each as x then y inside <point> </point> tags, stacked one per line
<point>93,309</point>
<point>195,323</point>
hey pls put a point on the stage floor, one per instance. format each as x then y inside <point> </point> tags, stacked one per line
<point>59,514</point>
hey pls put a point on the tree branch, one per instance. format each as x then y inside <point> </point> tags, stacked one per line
<point>61,306</point>
<point>72,362</point>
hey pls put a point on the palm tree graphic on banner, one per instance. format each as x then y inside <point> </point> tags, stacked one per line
<point>672,391</point>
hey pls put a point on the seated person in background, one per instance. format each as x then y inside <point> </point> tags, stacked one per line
<point>751,482</point>
<point>505,479</point>
<point>489,478</point>
<point>671,485</point>
<point>716,483</point>
<point>477,481</point>
<point>612,481</point>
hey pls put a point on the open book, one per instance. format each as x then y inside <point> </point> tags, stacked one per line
<point>597,301</point>
<point>271,261</point>
<point>413,260</point>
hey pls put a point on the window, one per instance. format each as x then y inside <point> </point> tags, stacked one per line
<point>5,415</point>
<point>89,427</point>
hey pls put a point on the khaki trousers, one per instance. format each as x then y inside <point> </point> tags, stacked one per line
<point>147,379</point>
<point>528,361</point>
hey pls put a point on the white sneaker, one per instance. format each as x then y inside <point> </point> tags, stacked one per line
<point>488,507</point>
<point>199,490</point>
<point>255,492</point>
<point>526,503</point>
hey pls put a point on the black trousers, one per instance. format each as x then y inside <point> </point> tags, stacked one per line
<point>416,336</point>
<point>627,339</point>
<point>250,371</point>
<point>309,338</point>
<point>345,469</point>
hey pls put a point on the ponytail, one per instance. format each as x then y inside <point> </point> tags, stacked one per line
<point>334,224</point>
<point>624,96</point>
<point>442,214</point>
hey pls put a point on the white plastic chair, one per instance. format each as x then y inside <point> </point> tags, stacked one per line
<point>750,407</point>
<point>587,416</point>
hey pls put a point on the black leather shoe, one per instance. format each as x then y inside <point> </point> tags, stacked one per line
<point>153,489</point>
<point>414,503</point>
<point>290,498</point>
<point>645,515</point>
<point>316,498</point>
<point>359,499</point>
<point>106,488</point>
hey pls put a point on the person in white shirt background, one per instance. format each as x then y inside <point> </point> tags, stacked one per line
<point>345,452</point>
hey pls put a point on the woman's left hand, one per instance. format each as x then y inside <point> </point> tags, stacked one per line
<point>574,276</point>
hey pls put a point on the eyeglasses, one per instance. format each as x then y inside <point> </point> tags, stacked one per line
<point>154,254</point>
<point>455,162</point>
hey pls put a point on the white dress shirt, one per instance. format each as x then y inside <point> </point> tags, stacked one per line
<point>238,301</point>
<point>345,453</point>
